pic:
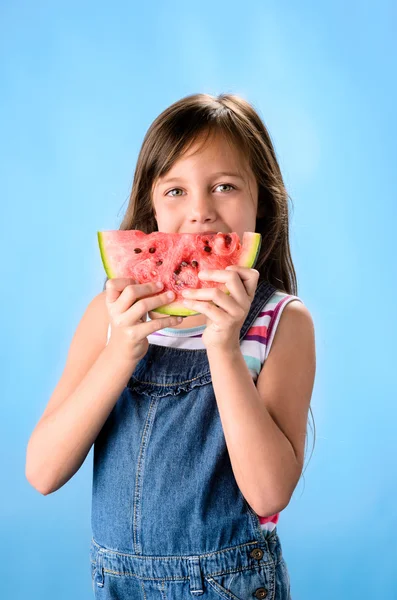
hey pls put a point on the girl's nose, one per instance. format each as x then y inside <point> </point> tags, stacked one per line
<point>201,202</point>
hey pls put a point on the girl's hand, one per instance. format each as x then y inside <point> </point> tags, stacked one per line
<point>228,313</point>
<point>128,304</point>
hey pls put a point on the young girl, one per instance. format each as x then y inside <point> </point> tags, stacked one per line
<point>198,425</point>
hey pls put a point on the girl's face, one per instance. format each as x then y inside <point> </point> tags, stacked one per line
<point>196,195</point>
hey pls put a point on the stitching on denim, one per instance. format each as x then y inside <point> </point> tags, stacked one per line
<point>165,558</point>
<point>223,592</point>
<point>143,578</point>
<point>233,572</point>
<point>161,588</point>
<point>140,472</point>
<point>237,570</point>
<point>172,384</point>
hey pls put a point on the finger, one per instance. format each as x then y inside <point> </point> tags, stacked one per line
<point>156,324</point>
<point>248,276</point>
<point>234,285</point>
<point>142,305</point>
<point>210,309</point>
<point>215,297</point>
<point>115,286</point>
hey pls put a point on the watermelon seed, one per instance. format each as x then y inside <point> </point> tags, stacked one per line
<point>151,250</point>
<point>184,263</point>
<point>194,263</point>
<point>137,250</point>
<point>207,249</point>
<point>158,263</point>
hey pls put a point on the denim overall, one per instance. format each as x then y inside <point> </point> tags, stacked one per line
<point>168,519</point>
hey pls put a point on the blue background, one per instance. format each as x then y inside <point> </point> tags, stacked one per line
<point>80,85</point>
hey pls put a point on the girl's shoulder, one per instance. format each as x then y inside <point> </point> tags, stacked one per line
<point>273,309</point>
<point>274,306</point>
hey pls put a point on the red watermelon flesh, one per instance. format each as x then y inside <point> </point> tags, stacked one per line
<point>175,259</point>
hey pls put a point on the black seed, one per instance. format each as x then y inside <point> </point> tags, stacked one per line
<point>207,249</point>
<point>194,263</point>
<point>151,250</point>
<point>137,250</point>
<point>177,271</point>
<point>228,239</point>
<point>158,263</point>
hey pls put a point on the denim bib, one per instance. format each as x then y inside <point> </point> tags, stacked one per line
<point>169,521</point>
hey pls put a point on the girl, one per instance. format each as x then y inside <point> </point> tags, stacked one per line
<point>198,429</point>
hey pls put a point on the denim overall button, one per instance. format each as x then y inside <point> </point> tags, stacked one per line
<point>256,553</point>
<point>261,593</point>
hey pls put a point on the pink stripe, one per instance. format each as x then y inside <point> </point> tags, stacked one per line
<point>258,330</point>
<point>274,316</point>
<point>271,519</point>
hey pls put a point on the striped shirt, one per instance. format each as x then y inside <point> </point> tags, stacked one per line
<point>255,348</point>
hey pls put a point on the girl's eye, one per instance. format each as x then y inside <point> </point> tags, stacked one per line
<point>173,190</point>
<point>227,185</point>
<point>221,184</point>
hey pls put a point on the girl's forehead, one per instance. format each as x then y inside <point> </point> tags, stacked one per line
<point>220,153</point>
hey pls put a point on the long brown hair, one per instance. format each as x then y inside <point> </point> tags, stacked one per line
<point>173,132</point>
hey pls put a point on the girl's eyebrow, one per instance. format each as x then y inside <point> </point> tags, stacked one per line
<point>227,173</point>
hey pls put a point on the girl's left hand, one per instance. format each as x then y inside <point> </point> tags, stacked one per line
<point>228,313</point>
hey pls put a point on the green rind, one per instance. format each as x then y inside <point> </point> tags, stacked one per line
<point>253,241</point>
<point>106,265</point>
<point>176,306</point>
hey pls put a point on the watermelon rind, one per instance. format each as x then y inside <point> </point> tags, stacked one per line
<point>105,262</point>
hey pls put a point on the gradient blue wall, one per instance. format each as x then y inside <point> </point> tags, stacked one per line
<point>80,85</point>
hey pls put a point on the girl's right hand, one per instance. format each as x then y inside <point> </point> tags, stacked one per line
<point>128,303</point>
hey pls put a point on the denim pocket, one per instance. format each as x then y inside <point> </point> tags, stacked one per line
<point>245,584</point>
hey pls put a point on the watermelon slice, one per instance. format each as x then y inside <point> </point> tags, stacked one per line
<point>175,259</point>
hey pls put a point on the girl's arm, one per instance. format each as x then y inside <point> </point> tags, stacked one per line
<point>91,384</point>
<point>265,424</point>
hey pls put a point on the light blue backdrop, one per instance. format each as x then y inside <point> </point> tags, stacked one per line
<point>80,85</point>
